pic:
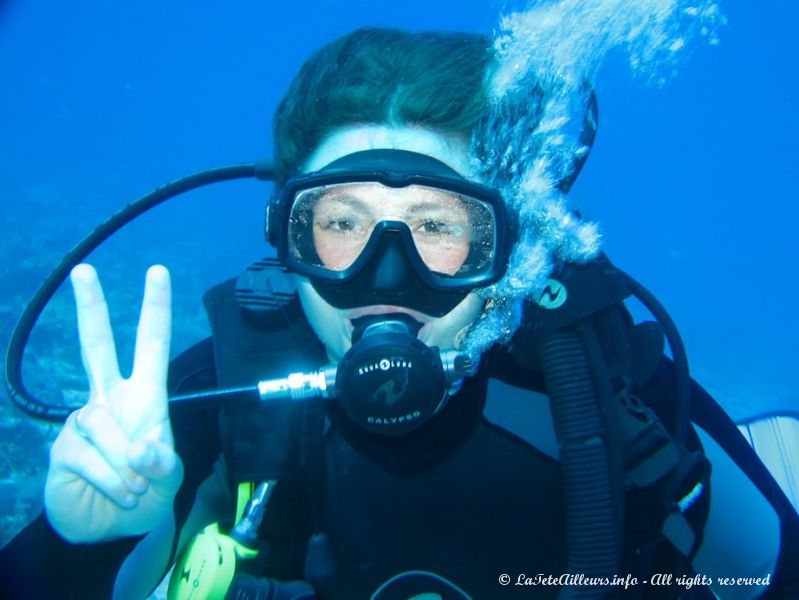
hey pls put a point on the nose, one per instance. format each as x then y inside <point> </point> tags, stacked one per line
<point>392,268</point>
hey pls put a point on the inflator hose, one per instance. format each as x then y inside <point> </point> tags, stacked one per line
<point>585,470</point>
<point>682,416</point>
<point>17,391</point>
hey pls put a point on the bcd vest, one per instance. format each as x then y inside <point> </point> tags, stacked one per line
<point>260,333</point>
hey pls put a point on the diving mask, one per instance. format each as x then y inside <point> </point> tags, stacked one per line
<point>391,227</point>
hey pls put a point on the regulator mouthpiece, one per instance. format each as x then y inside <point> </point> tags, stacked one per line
<point>390,382</point>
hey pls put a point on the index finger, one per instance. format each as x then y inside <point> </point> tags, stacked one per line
<point>94,329</point>
<point>154,334</point>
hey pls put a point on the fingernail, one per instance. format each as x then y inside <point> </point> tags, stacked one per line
<point>139,484</point>
<point>130,499</point>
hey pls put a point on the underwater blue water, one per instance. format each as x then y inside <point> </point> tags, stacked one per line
<point>694,184</point>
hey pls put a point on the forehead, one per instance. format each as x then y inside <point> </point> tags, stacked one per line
<point>371,196</point>
<point>451,150</point>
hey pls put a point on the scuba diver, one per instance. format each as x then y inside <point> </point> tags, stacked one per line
<point>395,464</point>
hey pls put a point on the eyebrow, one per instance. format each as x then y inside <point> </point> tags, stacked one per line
<point>343,197</point>
<point>431,204</point>
<point>426,204</point>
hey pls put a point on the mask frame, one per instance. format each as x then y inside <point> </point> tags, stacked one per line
<point>395,169</point>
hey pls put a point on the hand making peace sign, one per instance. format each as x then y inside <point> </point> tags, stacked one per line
<point>113,469</point>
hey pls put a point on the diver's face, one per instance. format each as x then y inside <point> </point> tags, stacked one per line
<point>334,325</point>
<point>344,218</point>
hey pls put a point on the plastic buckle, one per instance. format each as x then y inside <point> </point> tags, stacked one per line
<point>650,453</point>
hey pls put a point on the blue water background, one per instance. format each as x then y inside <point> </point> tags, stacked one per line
<point>695,184</point>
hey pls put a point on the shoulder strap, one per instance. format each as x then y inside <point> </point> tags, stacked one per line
<point>250,346</point>
<point>669,478</point>
<point>261,442</point>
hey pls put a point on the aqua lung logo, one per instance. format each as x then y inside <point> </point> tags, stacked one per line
<point>390,392</point>
<point>392,374</point>
<point>553,296</point>
<point>384,364</point>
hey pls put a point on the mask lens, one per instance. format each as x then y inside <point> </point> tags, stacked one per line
<point>331,225</point>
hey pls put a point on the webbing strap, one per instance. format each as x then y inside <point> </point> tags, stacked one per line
<point>243,494</point>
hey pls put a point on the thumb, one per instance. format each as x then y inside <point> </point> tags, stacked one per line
<point>157,462</point>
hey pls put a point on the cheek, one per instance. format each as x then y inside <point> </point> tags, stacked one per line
<point>326,321</point>
<point>330,254</point>
<point>444,259</point>
<point>455,257</point>
<point>337,252</point>
<point>445,331</point>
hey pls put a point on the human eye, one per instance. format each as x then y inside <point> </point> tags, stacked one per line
<point>441,228</point>
<point>340,225</point>
<point>340,218</point>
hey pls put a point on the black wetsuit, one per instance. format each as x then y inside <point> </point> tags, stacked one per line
<point>446,510</point>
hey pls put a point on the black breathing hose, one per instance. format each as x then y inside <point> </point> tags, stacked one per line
<point>586,455</point>
<point>15,386</point>
<point>585,469</point>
